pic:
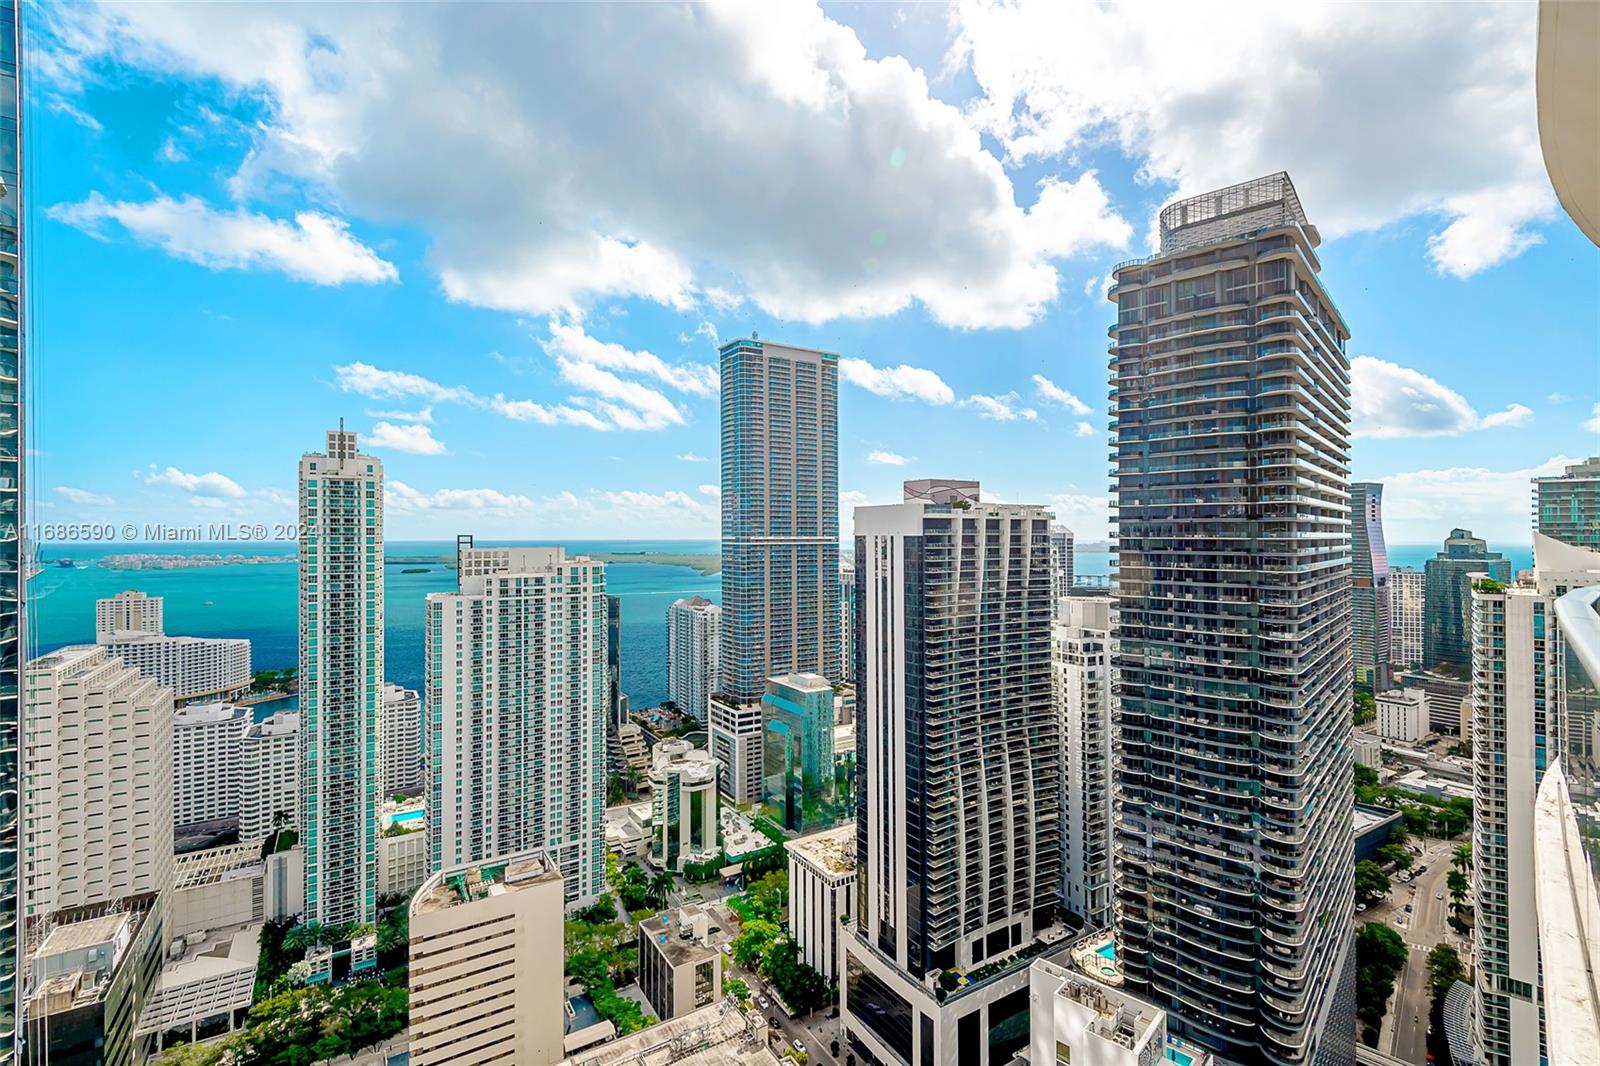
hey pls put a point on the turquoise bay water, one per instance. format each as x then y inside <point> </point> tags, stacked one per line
<point>257,601</point>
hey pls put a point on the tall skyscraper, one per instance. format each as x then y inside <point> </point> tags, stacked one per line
<point>847,621</point>
<point>1081,663</point>
<point>128,613</point>
<point>13,580</point>
<point>1447,598</point>
<point>517,695</point>
<point>736,733</point>
<point>780,514</point>
<point>207,762</point>
<point>1061,561</point>
<point>958,756</point>
<point>798,778</point>
<point>694,634</point>
<point>269,775</point>
<point>1516,736</point>
<point>341,689</point>
<point>1407,596</point>
<point>1231,399</point>
<point>614,698</point>
<point>1567,506</point>
<point>402,739</point>
<point>1369,588</point>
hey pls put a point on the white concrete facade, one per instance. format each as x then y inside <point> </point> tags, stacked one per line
<point>1076,1019</point>
<point>206,761</point>
<point>822,885</point>
<point>680,970</point>
<point>1368,750</point>
<point>1081,657</point>
<point>269,774</point>
<point>128,613</point>
<point>736,735</point>
<point>517,698</point>
<point>402,861</point>
<point>1406,599</point>
<point>683,804</point>
<point>694,628</point>
<point>1402,714</point>
<point>97,802</point>
<point>485,978</point>
<point>195,668</point>
<point>402,739</point>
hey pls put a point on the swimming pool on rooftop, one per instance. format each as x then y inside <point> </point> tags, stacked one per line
<point>1180,1057</point>
<point>1107,951</point>
<point>408,816</point>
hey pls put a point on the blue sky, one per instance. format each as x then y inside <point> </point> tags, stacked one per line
<point>501,241</point>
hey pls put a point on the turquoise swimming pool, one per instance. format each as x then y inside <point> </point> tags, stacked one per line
<point>409,816</point>
<point>1108,950</point>
<point>1181,1058</point>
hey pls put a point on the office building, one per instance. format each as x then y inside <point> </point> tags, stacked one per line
<point>128,614</point>
<point>958,777</point>
<point>401,740</point>
<point>1566,506</point>
<point>97,804</point>
<point>516,696</point>
<point>1076,1019</point>
<point>1448,698</point>
<point>1061,561</point>
<point>694,632</point>
<point>1402,714</point>
<point>1406,599</point>
<point>780,515</point>
<point>341,691</point>
<point>680,969</point>
<point>13,507</point>
<point>683,804</point>
<point>485,975</point>
<point>207,742</point>
<point>1447,599</point>
<point>1369,588</point>
<point>1080,647</point>
<point>1566,821</point>
<point>403,848</point>
<point>798,779</point>
<point>822,887</point>
<point>1231,407</point>
<point>720,1034</point>
<point>616,702</point>
<point>1516,735</point>
<point>90,979</point>
<point>736,736</point>
<point>269,775</point>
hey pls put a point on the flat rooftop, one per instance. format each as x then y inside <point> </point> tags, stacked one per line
<point>716,1035</point>
<point>832,850</point>
<point>85,934</point>
<point>473,883</point>
<point>665,933</point>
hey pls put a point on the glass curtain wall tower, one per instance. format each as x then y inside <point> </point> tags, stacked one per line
<point>780,515</point>
<point>341,686</point>
<point>1231,403</point>
<point>1369,587</point>
<point>13,579</point>
<point>1447,596</point>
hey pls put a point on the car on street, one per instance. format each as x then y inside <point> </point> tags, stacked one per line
<point>727,949</point>
<point>1408,908</point>
<point>799,1046</point>
<point>763,1002</point>
<point>1360,907</point>
<point>1438,895</point>
<point>1421,870</point>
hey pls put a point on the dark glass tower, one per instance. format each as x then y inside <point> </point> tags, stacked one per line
<point>780,515</point>
<point>1447,596</point>
<point>1369,587</point>
<point>1231,404</point>
<point>13,579</point>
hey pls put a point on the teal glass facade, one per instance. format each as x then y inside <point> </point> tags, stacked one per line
<point>1447,596</point>
<point>799,775</point>
<point>13,582</point>
<point>1369,588</point>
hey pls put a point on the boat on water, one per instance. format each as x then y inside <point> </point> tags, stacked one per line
<point>415,570</point>
<point>66,564</point>
<point>208,603</point>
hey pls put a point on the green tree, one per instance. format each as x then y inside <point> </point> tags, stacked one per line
<point>1366,777</point>
<point>1393,853</point>
<point>1456,881</point>
<point>661,885</point>
<point>1365,707</point>
<point>800,985</point>
<point>1380,956</point>
<point>1371,882</point>
<point>753,940</point>
<point>1444,969</point>
<point>769,895</point>
<point>1462,859</point>
<point>738,990</point>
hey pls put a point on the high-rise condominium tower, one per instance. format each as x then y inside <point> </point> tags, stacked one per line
<point>1516,736</point>
<point>1061,561</point>
<point>1231,400</point>
<point>402,739</point>
<point>1567,506</point>
<point>780,515</point>
<point>958,753</point>
<point>1447,596</point>
<point>1369,587</point>
<point>341,683</point>
<point>517,697</point>
<point>1081,658</point>
<point>694,631</point>
<point>13,584</point>
<point>1406,597</point>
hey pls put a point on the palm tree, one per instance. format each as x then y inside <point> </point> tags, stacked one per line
<point>1463,856</point>
<point>661,884</point>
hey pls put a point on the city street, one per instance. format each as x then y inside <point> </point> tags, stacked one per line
<point>1405,1028</point>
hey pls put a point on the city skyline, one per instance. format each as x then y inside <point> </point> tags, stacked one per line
<point>314,268</point>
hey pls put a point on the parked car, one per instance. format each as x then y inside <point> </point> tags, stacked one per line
<point>763,1002</point>
<point>799,1046</point>
<point>1408,908</point>
<point>1360,907</point>
<point>727,949</point>
<point>1419,871</point>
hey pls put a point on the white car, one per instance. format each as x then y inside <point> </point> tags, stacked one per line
<point>727,949</point>
<point>799,1046</point>
<point>761,1001</point>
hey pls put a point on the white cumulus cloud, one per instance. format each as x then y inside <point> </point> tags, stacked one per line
<point>1389,400</point>
<point>1049,390</point>
<point>897,382</point>
<point>83,497</point>
<point>415,438</point>
<point>1422,506</point>
<point>210,484</point>
<point>1004,408</point>
<point>314,247</point>
<point>883,458</point>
